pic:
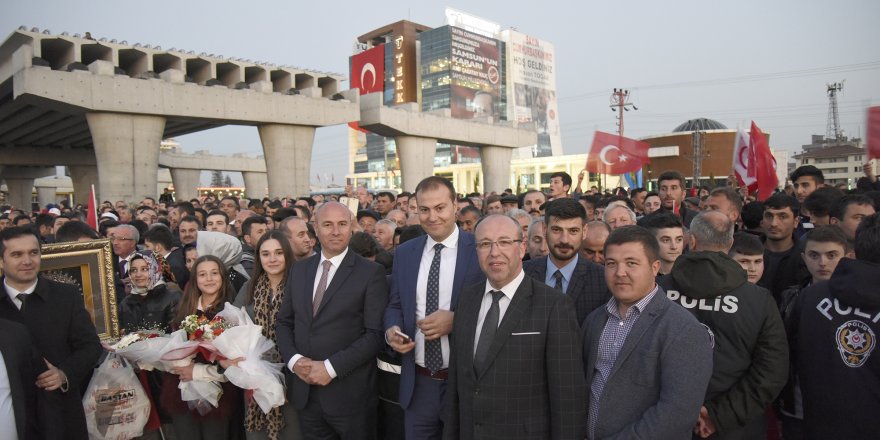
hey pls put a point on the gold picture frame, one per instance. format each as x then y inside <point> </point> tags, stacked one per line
<point>88,266</point>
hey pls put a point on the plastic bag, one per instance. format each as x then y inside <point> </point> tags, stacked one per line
<point>116,406</point>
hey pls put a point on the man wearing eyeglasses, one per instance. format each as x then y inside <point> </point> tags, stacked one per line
<point>124,239</point>
<point>517,370</point>
<point>583,281</point>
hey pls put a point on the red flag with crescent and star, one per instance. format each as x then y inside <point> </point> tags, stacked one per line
<point>368,73</point>
<point>742,158</point>
<point>615,154</point>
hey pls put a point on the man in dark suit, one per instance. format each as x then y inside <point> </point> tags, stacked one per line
<point>517,369</point>
<point>429,272</point>
<point>19,367</point>
<point>58,322</point>
<point>563,269</point>
<point>647,360</point>
<point>329,332</point>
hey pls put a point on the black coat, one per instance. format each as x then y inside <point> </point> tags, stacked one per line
<point>155,310</point>
<point>62,330</point>
<point>23,365</point>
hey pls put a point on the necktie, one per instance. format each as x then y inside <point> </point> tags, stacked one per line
<point>433,349</point>
<point>490,325</point>
<point>322,287</point>
<point>23,298</point>
<point>558,276</point>
<point>123,268</point>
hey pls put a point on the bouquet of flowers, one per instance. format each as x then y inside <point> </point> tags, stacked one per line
<point>142,348</point>
<point>204,331</point>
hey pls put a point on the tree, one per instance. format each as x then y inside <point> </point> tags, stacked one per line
<point>216,178</point>
<point>227,181</point>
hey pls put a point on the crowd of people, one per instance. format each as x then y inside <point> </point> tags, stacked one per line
<point>680,313</point>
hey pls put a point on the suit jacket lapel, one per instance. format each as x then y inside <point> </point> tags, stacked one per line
<point>519,306</point>
<point>646,320</point>
<point>576,283</point>
<point>307,285</point>
<point>346,267</point>
<point>462,260</point>
<point>16,390</point>
<point>595,332</point>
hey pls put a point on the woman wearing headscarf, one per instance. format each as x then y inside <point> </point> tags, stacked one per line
<point>152,303</point>
<point>228,249</point>
<point>261,297</point>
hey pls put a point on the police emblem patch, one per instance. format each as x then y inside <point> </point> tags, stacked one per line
<point>855,341</point>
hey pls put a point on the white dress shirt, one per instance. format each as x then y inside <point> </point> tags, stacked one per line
<point>448,259</point>
<point>509,290</point>
<point>13,293</point>
<point>7,413</point>
<point>334,264</point>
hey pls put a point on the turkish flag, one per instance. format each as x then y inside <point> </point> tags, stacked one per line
<point>92,214</point>
<point>615,154</point>
<point>368,73</point>
<point>873,133</point>
<point>741,160</point>
<point>764,163</point>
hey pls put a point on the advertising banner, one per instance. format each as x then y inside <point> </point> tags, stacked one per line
<point>475,73</point>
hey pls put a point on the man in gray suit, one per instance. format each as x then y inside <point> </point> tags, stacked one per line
<point>516,370</point>
<point>647,361</point>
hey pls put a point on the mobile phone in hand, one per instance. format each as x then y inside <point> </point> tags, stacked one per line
<point>406,339</point>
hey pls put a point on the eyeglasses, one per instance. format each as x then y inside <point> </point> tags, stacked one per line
<point>502,244</point>
<point>120,239</point>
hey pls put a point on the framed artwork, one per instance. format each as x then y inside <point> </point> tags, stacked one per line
<point>88,266</point>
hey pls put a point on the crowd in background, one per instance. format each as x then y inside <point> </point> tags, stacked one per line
<point>773,317</point>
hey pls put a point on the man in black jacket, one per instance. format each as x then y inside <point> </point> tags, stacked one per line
<point>783,266</point>
<point>59,324</point>
<point>751,352</point>
<point>833,332</point>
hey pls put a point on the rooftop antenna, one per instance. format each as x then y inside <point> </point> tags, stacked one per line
<point>833,133</point>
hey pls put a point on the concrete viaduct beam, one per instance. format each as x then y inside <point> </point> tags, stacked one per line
<point>416,159</point>
<point>127,151</point>
<point>288,152</point>
<point>495,162</point>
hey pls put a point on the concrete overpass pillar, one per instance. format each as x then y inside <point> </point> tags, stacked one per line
<point>496,168</point>
<point>255,184</point>
<point>83,177</point>
<point>127,152</point>
<point>288,153</point>
<point>186,183</point>
<point>46,195</point>
<point>20,192</point>
<point>416,159</point>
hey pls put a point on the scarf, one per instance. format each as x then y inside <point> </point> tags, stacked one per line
<point>266,307</point>
<point>155,269</point>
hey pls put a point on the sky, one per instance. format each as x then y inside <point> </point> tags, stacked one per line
<point>736,61</point>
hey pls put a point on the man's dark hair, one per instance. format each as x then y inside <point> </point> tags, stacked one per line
<point>217,212</point>
<point>411,231</point>
<point>303,212</point>
<point>808,170</point>
<point>635,234</point>
<point>746,244</point>
<point>868,239</point>
<point>839,207</point>
<point>471,209</point>
<point>275,204</point>
<point>659,220</point>
<point>21,217</point>
<point>782,201</point>
<point>364,244</point>
<point>730,194</point>
<point>671,175</point>
<point>185,208</point>
<point>752,214</point>
<point>388,194</point>
<point>591,199</point>
<point>466,200</point>
<point>404,194</point>
<point>564,209</point>
<point>634,191</point>
<point>248,223</point>
<point>142,228</point>
<point>44,220</point>
<point>828,234</point>
<point>74,230</point>
<point>434,182</point>
<point>13,233</point>
<point>566,178</point>
<point>819,202</point>
<point>283,213</point>
<point>191,219</point>
<point>626,201</point>
<point>161,235</point>
<point>234,200</point>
